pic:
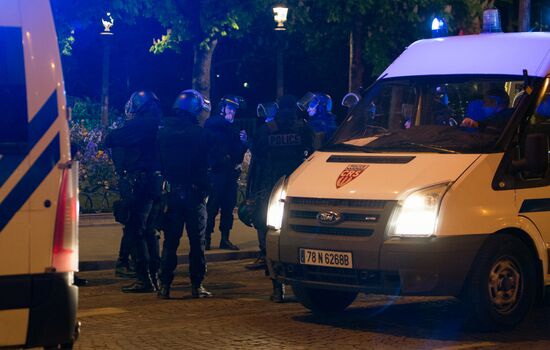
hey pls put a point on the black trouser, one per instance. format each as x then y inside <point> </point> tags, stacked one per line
<point>222,197</point>
<point>139,232</point>
<point>152,240</point>
<point>260,219</point>
<point>126,192</point>
<point>185,208</point>
<point>125,250</point>
<point>151,235</point>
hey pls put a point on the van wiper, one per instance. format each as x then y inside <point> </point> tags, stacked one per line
<point>432,147</point>
<point>376,127</point>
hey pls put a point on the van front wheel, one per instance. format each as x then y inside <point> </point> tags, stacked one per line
<point>322,301</point>
<point>502,284</point>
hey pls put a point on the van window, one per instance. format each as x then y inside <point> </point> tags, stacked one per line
<point>13,97</point>
<point>425,114</point>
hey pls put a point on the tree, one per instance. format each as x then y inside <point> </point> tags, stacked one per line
<point>524,15</point>
<point>379,29</point>
<point>203,23</point>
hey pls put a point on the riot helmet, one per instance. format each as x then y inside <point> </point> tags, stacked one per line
<point>286,114</point>
<point>141,102</point>
<point>246,213</point>
<point>267,111</point>
<point>191,102</point>
<point>315,103</point>
<point>350,100</point>
<point>228,106</point>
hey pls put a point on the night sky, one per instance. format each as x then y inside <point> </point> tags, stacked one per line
<point>236,62</point>
<point>250,59</point>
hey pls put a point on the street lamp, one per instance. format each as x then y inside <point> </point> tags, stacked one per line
<point>280,15</point>
<point>106,34</point>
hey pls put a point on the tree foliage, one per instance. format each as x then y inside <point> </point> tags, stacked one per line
<point>388,26</point>
<point>202,23</point>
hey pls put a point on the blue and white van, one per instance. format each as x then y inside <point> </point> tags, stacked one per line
<point>407,198</point>
<point>38,184</point>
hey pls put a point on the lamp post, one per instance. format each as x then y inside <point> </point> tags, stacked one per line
<point>106,35</point>
<point>280,15</point>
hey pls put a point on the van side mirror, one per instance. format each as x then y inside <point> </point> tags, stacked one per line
<point>536,155</point>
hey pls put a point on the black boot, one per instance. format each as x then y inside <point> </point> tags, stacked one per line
<point>258,264</point>
<point>80,282</point>
<point>225,243</point>
<point>278,295</point>
<point>198,291</point>
<point>139,287</point>
<point>155,280</point>
<point>207,242</point>
<point>164,292</point>
<point>123,270</point>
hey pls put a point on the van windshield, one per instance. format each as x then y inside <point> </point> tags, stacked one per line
<point>446,114</point>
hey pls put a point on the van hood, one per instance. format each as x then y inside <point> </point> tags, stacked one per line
<point>374,176</point>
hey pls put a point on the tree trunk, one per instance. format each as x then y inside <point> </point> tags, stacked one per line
<point>524,15</point>
<point>357,68</point>
<point>201,68</point>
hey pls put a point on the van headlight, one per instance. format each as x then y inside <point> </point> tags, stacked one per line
<point>417,214</point>
<point>276,205</point>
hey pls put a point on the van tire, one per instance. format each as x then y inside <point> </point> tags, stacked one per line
<point>323,301</point>
<point>501,288</point>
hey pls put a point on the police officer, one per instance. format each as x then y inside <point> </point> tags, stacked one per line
<point>318,107</point>
<point>279,147</point>
<point>267,111</point>
<point>225,169</point>
<point>134,155</point>
<point>184,149</point>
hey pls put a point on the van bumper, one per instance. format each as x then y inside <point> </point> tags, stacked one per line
<point>52,301</point>
<point>52,317</point>
<point>407,266</point>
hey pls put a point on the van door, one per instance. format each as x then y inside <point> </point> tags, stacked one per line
<point>14,145</point>
<point>533,200</point>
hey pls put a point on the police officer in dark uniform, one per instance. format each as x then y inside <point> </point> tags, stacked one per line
<point>225,168</point>
<point>278,148</point>
<point>318,107</point>
<point>140,184</point>
<point>185,149</point>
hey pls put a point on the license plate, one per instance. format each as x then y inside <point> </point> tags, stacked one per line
<point>326,258</point>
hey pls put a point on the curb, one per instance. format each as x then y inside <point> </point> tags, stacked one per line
<point>99,219</point>
<point>182,259</point>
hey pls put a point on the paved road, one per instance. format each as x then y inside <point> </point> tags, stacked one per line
<point>240,316</point>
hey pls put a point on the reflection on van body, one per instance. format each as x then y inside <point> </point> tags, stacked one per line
<point>38,184</point>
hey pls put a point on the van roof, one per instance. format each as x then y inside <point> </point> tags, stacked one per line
<point>502,54</point>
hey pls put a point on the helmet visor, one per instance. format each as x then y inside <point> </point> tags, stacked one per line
<point>305,101</point>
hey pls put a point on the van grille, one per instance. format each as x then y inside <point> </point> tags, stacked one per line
<point>338,202</point>
<point>356,217</point>
<point>331,230</point>
<point>345,216</point>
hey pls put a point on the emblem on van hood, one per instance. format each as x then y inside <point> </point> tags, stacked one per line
<point>350,173</point>
<point>329,217</point>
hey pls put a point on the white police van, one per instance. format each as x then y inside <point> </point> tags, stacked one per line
<point>38,184</point>
<point>404,200</point>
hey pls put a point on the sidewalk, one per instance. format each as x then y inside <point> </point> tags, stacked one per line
<point>100,241</point>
